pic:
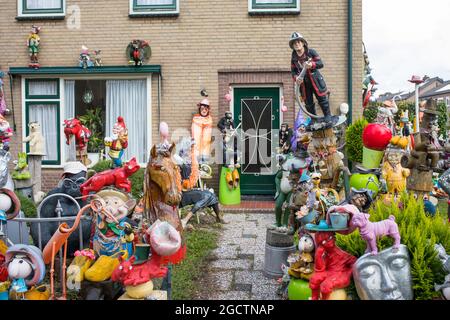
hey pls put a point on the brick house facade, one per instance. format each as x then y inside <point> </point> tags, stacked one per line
<point>200,44</point>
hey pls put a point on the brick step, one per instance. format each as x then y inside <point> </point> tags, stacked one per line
<point>247,206</point>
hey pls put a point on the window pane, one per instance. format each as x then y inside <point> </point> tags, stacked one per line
<point>46,116</point>
<point>42,88</point>
<point>153,2</point>
<point>272,1</point>
<point>43,4</point>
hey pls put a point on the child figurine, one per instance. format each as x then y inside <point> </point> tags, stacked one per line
<point>5,133</point>
<point>33,43</point>
<point>202,130</point>
<point>3,108</point>
<point>118,142</point>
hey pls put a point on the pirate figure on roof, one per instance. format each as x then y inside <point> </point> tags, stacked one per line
<point>305,65</point>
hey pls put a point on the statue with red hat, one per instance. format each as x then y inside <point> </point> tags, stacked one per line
<point>117,142</point>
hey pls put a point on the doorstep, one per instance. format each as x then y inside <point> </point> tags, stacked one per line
<point>250,206</point>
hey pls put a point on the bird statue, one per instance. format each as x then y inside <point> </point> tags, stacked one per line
<point>138,51</point>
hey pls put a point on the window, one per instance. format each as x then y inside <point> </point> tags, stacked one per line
<point>274,6</point>
<point>42,89</point>
<point>41,8</point>
<point>154,7</point>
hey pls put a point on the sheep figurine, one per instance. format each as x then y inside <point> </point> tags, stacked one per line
<point>36,140</point>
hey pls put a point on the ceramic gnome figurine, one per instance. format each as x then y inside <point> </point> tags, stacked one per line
<point>393,172</point>
<point>386,276</point>
<point>332,269</point>
<point>33,43</point>
<point>117,142</point>
<point>36,140</point>
<point>5,133</point>
<point>202,130</point>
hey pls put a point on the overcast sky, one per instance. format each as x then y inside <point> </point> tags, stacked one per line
<point>406,37</point>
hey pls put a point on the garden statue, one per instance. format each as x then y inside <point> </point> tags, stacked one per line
<point>117,177</point>
<point>393,172</point>
<point>372,231</point>
<point>33,43</point>
<point>3,108</point>
<point>230,149</point>
<point>285,138</point>
<point>443,257</point>
<point>74,127</point>
<point>444,288</point>
<point>85,58</point>
<point>21,169</point>
<point>300,138</point>
<point>97,57</point>
<point>5,178</point>
<point>117,142</point>
<point>302,265</point>
<point>305,65</point>
<point>113,230</point>
<point>25,267</point>
<point>303,203</point>
<point>9,208</point>
<point>74,175</point>
<point>386,115</point>
<point>5,133</point>
<point>202,130</point>
<point>138,51</point>
<point>332,267</point>
<point>386,276</point>
<point>36,139</point>
<point>361,199</point>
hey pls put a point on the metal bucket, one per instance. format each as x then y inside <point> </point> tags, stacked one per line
<point>273,259</point>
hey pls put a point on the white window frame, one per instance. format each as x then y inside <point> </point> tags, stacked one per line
<point>273,8</point>
<point>154,10</point>
<point>62,107</point>
<point>38,12</point>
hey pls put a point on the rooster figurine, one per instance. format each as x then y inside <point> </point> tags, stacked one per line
<point>138,51</point>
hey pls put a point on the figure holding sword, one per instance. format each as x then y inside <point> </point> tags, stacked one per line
<point>305,65</point>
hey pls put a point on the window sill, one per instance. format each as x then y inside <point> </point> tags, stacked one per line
<point>38,17</point>
<point>272,12</point>
<point>154,14</point>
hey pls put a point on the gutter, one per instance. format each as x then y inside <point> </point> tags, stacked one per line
<point>350,61</point>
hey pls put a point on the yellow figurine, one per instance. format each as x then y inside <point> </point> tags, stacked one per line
<point>393,172</point>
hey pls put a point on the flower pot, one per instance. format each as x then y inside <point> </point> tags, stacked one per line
<point>372,158</point>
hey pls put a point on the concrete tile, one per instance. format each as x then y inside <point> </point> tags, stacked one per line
<point>238,264</point>
<point>232,295</point>
<point>253,277</point>
<point>222,280</point>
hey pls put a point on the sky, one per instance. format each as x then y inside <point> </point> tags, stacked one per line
<point>406,37</point>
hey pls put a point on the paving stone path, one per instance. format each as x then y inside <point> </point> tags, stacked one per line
<point>236,269</point>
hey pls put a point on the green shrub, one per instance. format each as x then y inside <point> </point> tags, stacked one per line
<point>102,165</point>
<point>353,140</point>
<point>405,105</point>
<point>370,113</point>
<point>442,119</point>
<point>419,233</point>
<point>27,206</point>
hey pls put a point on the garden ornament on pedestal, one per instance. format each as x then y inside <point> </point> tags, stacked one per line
<point>26,267</point>
<point>74,127</point>
<point>21,169</point>
<point>393,172</point>
<point>332,267</point>
<point>138,51</point>
<point>117,142</point>
<point>376,138</point>
<point>33,43</point>
<point>117,177</point>
<point>202,130</point>
<point>386,276</point>
<point>85,60</point>
<point>36,140</point>
<point>371,231</point>
<point>3,108</point>
<point>5,133</point>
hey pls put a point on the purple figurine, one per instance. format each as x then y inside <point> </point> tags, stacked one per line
<point>370,231</point>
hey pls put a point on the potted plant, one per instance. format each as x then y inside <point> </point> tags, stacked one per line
<point>93,120</point>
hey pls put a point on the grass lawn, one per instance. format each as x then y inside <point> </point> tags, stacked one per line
<point>200,242</point>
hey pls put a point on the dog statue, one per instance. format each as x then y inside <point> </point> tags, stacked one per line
<point>370,231</point>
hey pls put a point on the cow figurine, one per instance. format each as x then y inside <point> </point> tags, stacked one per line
<point>117,177</point>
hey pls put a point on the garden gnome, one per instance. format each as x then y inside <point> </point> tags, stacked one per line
<point>36,140</point>
<point>313,83</point>
<point>202,130</point>
<point>3,109</point>
<point>5,133</point>
<point>393,172</point>
<point>33,46</point>
<point>117,142</point>
<point>332,268</point>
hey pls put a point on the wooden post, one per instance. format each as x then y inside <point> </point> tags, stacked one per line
<point>35,167</point>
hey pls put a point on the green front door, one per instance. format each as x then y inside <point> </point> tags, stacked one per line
<point>257,110</point>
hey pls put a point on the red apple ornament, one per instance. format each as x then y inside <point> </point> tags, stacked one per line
<point>376,136</point>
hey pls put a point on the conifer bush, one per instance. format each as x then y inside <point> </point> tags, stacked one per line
<point>418,232</point>
<point>353,140</point>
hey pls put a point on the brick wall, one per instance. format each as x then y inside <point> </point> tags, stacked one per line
<point>207,36</point>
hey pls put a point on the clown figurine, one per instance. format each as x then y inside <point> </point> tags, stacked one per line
<point>5,133</point>
<point>201,131</point>
<point>33,46</point>
<point>118,142</point>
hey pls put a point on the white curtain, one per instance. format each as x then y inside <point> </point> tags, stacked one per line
<point>272,1</point>
<point>69,101</point>
<point>43,4</point>
<point>42,88</point>
<point>128,98</point>
<point>46,116</point>
<point>153,2</point>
